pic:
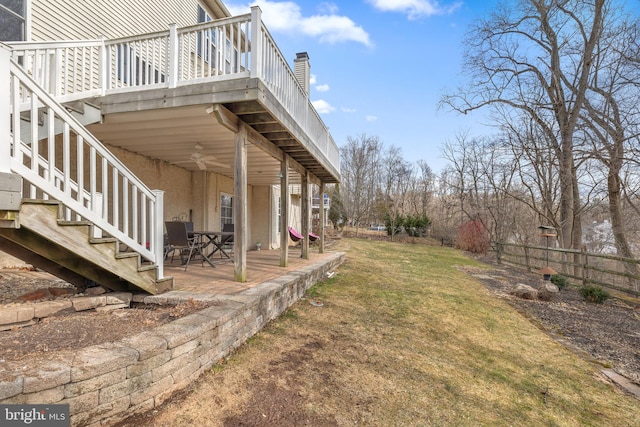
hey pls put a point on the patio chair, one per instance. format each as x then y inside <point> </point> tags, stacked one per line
<point>227,241</point>
<point>179,240</point>
<point>167,247</point>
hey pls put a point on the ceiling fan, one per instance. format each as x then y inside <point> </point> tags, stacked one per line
<point>202,160</point>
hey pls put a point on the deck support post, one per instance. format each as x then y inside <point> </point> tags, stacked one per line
<point>284,211</point>
<point>321,216</point>
<point>305,215</point>
<point>240,206</point>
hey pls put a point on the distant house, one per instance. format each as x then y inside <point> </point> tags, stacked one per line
<point>121,116</point>
<point>598,237</point>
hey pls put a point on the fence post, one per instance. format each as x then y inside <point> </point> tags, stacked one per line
<point>499,252</point>
<point>585,263</point>
<point>526,258</point>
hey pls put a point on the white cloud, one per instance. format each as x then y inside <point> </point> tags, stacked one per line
<point>334,29</point>
<point>322,106</point>
<point>415,9</point>
<point>322,88</point>
<point>348,110</point>
<point>328,8</point>
<point>371,118</point>
<point>313,79</point>
<point>326,26</point>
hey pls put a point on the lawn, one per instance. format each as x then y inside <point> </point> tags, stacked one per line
<point>402,338</point>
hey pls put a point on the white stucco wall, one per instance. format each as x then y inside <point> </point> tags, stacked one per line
<point>261,217</point>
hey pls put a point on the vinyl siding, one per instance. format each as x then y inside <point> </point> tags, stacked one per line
<point>91,19</point>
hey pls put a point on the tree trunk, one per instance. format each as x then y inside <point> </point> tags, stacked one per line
<point>617,223</point>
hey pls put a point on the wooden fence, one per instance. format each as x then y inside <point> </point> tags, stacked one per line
<point>609,271</point>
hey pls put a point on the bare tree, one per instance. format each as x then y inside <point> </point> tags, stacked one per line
<point>611,119</point>
<point>395,177</point>
<point>446,207</point>
<point>536,57</point>
<point>422,188</point>
<point>360,163</point>
<point>535,167</point>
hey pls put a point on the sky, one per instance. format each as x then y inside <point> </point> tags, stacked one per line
<point>379,67</point>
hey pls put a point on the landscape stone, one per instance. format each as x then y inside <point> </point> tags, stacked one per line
<point>525,291</point>
<point>547,291</point>
<point>96,290</point>
<point>119,298</point>
<point>49,308</point>
<point>87,303</point>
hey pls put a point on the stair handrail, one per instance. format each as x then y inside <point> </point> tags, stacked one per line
<point>132,214</point>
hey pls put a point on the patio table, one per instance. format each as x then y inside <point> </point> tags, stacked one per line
<point>215,239</point>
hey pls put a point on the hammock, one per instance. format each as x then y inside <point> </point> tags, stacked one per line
<point>295,236</point>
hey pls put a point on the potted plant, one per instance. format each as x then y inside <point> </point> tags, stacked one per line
<point>258,246</point>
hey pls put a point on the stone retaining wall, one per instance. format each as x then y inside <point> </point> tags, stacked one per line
<point>19,315</point>
<point>103,384</point>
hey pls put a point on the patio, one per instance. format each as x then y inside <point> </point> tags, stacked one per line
<point>262,266</point>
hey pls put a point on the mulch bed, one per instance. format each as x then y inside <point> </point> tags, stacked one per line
<point>609,332</point>
<point>70,330</point>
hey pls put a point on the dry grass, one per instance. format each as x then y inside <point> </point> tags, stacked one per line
<point>404,339</point>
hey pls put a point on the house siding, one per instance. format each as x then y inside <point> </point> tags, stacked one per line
<point>177,183</point>
<point>261,215</point>
<point>91,19</point>
<point>275,202</point>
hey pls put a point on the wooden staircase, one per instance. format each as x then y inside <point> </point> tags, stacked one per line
<point>67,249</point>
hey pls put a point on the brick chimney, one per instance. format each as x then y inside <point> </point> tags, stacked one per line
<point>301,69</point>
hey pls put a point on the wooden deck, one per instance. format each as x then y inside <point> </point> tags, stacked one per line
<point>262,266</point>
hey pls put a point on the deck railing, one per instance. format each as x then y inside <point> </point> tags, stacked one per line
<point>73,167</point>
<point>230,48</point>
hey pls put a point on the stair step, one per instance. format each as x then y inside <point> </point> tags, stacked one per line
<point>96,240</point>
<point>40,202</point>
<point>147,267</point>
<point>125,255</point>
<point>66,223</point>
<point>88,258</point>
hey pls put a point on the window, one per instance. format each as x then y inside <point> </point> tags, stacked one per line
<point>206,39</point>
<point>226,209</point>
<point>13,20</point>
<point>279,214</point>
<point>133,71</point>
<point>207,47</point>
